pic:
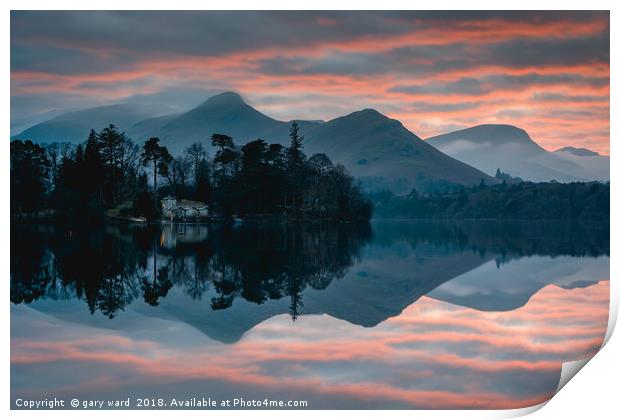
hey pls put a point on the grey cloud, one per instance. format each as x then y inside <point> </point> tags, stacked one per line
<point>525,80</point>
<point>67,61</point>
<point>420,106</point>
<point>426,60</point>
<point>467,86</point>
<point>93,42</point>
<point>39,37</point>
<point>494,83</point>
<point>555,97</point>
<point>592,49</point>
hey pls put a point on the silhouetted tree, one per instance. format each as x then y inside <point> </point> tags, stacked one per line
<point>30,167</point>
<point>295,164</point>
<point>106,174</point>
<point>53,155</point>
<point>196,154</point>
<point>226,156</point>
<point>158,157</point>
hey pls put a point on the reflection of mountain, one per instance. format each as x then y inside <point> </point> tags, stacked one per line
<point>376,288</point>
<point>489,147</point>
<point>224,281</point>
<point>488,289</point>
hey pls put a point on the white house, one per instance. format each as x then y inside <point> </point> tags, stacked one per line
<point>168,205</point>
<point>183,209</point>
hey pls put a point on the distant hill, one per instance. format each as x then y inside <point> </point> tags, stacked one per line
<point>577,151</point>
<point>491,146</point>
<point>595,165</point>
<point>74,126</point>
<point>379,150</point>
<point>226,113</point>
<point>384,154</point>
<point>373,147</point>
<point>22,123</point>
<point>143,130</point>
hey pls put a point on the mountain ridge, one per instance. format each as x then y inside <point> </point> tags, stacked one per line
<point>379,150</point>
<point>388,155</point>
<point>74,126</point>
<point>578,151</point>
<point>512,150</point>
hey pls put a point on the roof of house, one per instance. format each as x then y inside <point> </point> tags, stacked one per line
<point>191,203</point>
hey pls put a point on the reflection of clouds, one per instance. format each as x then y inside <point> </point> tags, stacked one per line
<point>434,355</point>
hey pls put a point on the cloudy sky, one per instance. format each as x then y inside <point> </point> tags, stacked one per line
<point>435,71</point>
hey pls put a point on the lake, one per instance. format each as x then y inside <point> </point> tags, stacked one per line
<point>391,314</point>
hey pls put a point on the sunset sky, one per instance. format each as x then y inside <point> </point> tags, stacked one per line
<point>546,72</point>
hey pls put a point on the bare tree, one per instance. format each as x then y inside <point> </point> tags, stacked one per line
<point>197,153</point>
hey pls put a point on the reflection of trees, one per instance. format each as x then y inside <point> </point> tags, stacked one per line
<point>103,266</point>
<point>112,267</point>
<point>109,268</point>
<point>506,239</point>
<point>270,262</point>
<point>32,270</point>
<point>279,261</point>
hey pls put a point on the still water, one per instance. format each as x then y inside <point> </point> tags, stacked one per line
<point>386,315</point>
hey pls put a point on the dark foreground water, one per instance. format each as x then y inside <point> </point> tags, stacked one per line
<point>386,315</point>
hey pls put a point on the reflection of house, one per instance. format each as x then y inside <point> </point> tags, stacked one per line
<point>173,235</point>
<point>183,209</point>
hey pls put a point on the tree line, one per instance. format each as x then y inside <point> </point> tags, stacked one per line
<point>520,200</point>
<point>109,171</point>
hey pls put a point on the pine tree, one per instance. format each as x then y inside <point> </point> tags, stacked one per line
<point>155,155</point>
<point>295,164</point>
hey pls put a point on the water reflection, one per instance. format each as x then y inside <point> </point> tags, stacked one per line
<point>388,315</point>
<point>434,355</point>
<point>111,268</point>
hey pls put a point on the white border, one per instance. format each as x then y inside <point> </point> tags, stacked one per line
<point>594,394</point>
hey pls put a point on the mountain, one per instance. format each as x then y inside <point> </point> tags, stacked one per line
<point>577,151</point>
<point>373,147</point>
<point>492,146</point>
<point>384,154</point>
<point>22,123</point>
<point>74,126</point>
<point>226,113</point>
<point>595,165</point>
<point>145,129</point>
